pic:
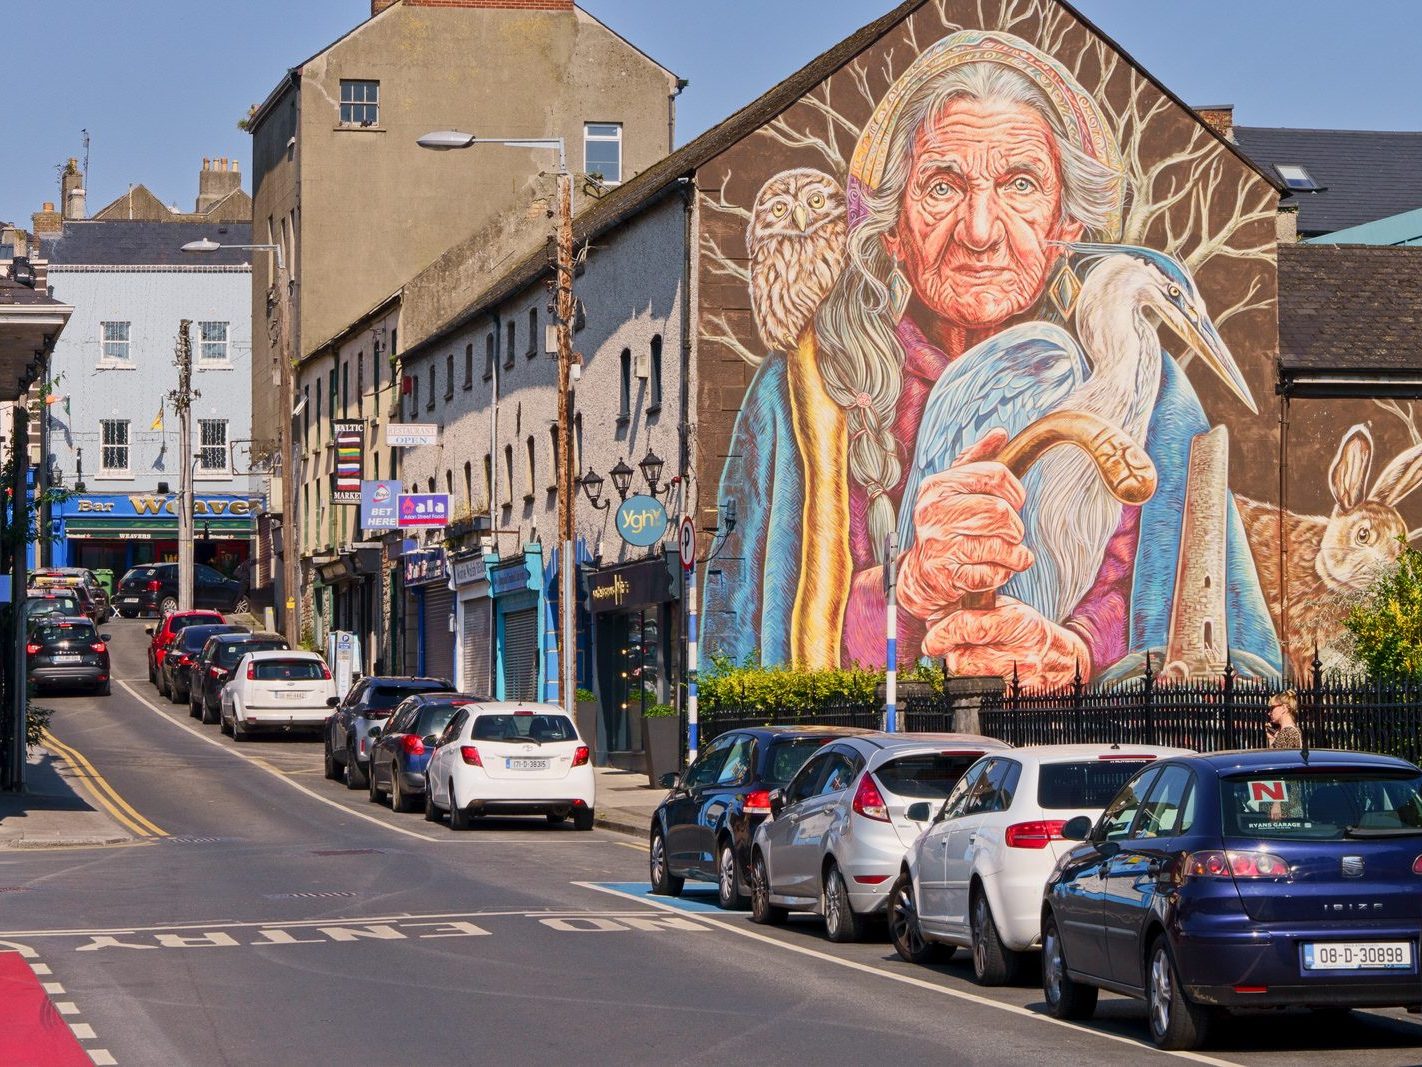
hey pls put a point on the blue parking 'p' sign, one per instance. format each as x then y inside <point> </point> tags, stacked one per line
<point>642,521</point>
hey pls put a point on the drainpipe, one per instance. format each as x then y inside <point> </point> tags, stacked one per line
<point>681,83</point>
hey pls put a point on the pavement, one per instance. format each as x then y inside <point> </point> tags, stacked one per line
<point>625,801</point>
<point>58,809</point>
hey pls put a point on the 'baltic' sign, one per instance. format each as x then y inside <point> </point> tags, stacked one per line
<point>349,441</point>
<point>642,521</point>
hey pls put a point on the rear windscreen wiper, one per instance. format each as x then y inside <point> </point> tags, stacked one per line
<point>1383,831</point>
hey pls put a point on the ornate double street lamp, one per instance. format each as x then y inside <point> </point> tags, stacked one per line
<point>651,468</point>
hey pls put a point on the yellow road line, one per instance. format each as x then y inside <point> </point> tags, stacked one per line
<point>104,793</point>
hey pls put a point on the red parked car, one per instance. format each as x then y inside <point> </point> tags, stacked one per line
<point>166,631</point>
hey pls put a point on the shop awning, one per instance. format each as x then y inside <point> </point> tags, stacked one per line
<point>156,529</point>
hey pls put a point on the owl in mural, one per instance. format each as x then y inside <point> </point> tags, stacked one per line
<point>796,238</point>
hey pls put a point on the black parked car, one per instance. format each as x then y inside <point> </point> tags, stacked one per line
<point>400,751</point>
<point>152,589</point>
<point>369,701</point>
<point>213,669</point>
<point>173,676</point>
<point>67,651</point>
<point>703,829</point>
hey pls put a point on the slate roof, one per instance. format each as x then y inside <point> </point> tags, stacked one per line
<point>1367,174</point>
<point>1351,310</point>
<point>658,180</point>
<point>120,242</point>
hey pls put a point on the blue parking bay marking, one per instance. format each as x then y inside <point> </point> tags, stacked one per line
<point>696,897</point>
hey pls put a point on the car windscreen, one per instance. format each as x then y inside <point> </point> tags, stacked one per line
<point>788,755</point>
<point>229,652</point>
<point>52,605</point>
<point>51,632</point>
<point>384,697</point>
<point>288,670</point>
<point>538,728</point>
<point>925,775</point>
<point>1089,783</point>
<point>1324,805</point>
<point>140,574</point>
<point>434,718</point>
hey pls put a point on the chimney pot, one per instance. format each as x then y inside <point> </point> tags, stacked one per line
<point>49,205</point>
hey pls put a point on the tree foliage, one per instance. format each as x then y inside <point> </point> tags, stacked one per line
<point>1387,624</point>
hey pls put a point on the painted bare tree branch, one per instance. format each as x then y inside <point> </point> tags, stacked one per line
<point>1407,415</point>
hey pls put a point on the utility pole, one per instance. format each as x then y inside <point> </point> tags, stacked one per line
<point>44,548</point>
<point>17,712</point>
<point>182,398</point>
<point>279,307</point>
<point>567,570</point>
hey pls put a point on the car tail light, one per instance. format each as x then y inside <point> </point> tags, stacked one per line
<point>325,672</point>
<point>215,672</point>
<point>153,585</point>
<point>522,711</point>
<point>869,802</point>
<point>581,755</point>
<point>98,646</point>
<point>1122,755</point>
<point>470,755</point>
<point>757,802</point>
<point>1033,834</point>
<point>1417,865</point>
<point>412,745</point>
<point>32,648</point>
<point>1216,864</point>
<point>251,672</point>
<point>184,660</point>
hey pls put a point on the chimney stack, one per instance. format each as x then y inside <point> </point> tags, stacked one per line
<point>377,6</point>
<point>46,221</point>
<point>1219,118</point>
<point>217,179</point>
<point>71,186</point>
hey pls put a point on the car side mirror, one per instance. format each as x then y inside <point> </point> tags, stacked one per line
<point>331,702</point>
<point>430,740</point>
<point>148,630</point>
<point>1077,829</point>
<point>777,802</point>
<point>920,811</point>
<point>373,732</point>
<point>670,780</point>
<point>1107,849</point>
<point>106,637</point>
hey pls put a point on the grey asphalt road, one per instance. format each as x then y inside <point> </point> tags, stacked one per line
<point>282,919</point>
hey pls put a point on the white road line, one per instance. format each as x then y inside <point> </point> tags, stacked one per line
<point>83,1031</point>
<point>40,968</point>
<point>66,1007</point>
<point>53,988</point>
<point>282,924</point>
<point>904,979</point>
<point>102,1057</point>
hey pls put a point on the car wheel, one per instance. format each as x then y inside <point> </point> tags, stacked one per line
<point>431,812</point>
<point>223,725</point>
<point>1175,1022</point>
<point>904,928</point>
<point>194,710</point>
<point>841,923</point>
<point>762,910</point>
<point>355,777</point>
<point>664,883</point>
<point>167,606</point>
<point>243,605</point>
<point>399,799</point>
<point>376,794</point>
<point>993,963</point>
<point>173,695</point>
<point>209,715</point>
<point>1066,997</point>
<point>152,674</point>
<point>332,768</point>
<point>583,819</point>
<point>728,890</point>
<point>162,685</point>
<point>458,818</point>
<point>106,689</point>
<point>240,733</point>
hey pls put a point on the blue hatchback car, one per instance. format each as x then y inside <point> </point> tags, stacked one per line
<point>400,750</point>
<point>1241,880</point>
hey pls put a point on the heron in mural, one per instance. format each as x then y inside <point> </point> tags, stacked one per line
<point>1109,380</point>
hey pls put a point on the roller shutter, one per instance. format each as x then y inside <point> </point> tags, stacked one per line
<point>477,642</point>
<point>521,655</point>
<point>439,638</point>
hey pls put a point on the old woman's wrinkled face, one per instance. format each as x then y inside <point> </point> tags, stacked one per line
<point>981,209</point>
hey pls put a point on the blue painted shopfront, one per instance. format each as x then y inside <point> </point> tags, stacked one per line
<point>516,585</point>
<point>120,530</point>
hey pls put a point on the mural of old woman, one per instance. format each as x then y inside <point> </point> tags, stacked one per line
<point>960,282</point>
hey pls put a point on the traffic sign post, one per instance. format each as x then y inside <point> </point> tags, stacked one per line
<point>891,633</point>
<point>686,545</point>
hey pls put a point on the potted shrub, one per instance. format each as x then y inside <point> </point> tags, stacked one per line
<point>585,714</point>
<point>661,741</point>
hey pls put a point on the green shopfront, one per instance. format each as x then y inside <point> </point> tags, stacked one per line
<point>116,531</point>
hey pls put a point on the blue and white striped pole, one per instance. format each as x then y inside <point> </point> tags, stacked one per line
<point>692,732</point>
<point>891,633</point>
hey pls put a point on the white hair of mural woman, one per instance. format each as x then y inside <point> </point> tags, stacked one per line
<point>860,354</point>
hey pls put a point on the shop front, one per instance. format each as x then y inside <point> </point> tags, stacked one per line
<point>634,624</point>
<point>516,585</point>
<point>426,579</point>
<point>351,593</point>
<point>116,531</point>
<point>474,626</point>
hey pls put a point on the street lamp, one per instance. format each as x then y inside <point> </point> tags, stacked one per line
<point>290,576</point>
<point>592,486</point>
<point>651,467</point>
<point>448,140</point>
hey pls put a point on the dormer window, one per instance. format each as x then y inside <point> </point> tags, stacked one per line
<point>1297,179</point>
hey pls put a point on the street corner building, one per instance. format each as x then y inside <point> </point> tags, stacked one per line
<point>946,234</point>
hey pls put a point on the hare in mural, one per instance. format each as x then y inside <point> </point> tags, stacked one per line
<point>1330,557</point>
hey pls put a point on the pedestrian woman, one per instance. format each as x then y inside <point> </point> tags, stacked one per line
<point>1283,726</point>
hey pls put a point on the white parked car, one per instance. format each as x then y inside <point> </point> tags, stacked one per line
<point>503,758</point>
<point>975,878</point>
<point>277,689</point>
<point>836,837</point>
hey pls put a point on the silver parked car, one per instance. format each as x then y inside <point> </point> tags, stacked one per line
<point>838,831</point>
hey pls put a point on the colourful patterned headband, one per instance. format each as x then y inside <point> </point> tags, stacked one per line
<point>1081,118</point>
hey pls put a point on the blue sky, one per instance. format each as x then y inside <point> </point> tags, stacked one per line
<point>159,84</point>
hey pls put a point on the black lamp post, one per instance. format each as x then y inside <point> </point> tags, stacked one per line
<point>651,467</point>
<point>592,488</point>
<point>621,478</point>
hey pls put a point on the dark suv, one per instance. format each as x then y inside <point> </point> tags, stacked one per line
<point>152,589</point>
<point>370,700</point>
<point>703,828</point>
<point>67,651</point>
<point>213,669</point>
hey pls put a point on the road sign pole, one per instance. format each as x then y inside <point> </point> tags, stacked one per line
<point>891,633</point>
<point>686,546</point>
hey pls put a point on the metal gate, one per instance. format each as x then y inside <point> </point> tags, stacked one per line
<point>476,643</point>
<point>521,655</point>
<point>439,638</point>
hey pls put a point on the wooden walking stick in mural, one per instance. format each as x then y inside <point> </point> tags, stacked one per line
<point>1125,468</point>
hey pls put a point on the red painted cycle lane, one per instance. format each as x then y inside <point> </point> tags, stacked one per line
<point>32,1033</point>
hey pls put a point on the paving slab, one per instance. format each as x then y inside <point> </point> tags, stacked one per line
<point>54,811</point>
<point>625,801</point>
